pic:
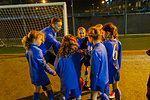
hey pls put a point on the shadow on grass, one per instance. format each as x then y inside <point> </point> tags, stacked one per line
<point>85,92</point>
<point>42,96</point>
<point>57,96</point>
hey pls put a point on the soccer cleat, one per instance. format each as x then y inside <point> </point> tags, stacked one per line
<point>111,95</point>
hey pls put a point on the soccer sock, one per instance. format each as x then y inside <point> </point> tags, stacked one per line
<point>86,79</point>
<point>117,94</point>
<point>107,92</point>
<point>86,72</point>
<point>50,94</point>
<point>79,98</point>
<point>104,96</point>
<point>36,96</point>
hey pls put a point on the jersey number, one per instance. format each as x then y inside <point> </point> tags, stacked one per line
<point>115,53</point>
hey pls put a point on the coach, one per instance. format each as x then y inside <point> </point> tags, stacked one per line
<point>55,25</point>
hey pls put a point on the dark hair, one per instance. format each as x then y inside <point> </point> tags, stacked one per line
<point>109,27</point>
<point>54,20</point>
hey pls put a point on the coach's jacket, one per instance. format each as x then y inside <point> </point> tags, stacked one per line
<point>50,40</point>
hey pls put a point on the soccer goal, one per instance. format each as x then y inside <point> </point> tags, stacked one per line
<point>17,20</point>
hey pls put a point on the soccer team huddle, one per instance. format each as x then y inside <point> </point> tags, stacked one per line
<point>98,48</point>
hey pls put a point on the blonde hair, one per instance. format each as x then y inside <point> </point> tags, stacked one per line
<point>69,46</point>
<point>112,29</point>
<point>79,30</point>
<point>27,40</point>
<point>95,33</point>
<point>100,26</point>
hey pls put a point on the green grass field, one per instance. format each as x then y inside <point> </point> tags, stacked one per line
<point>15,81</point>
<point>128,43</point>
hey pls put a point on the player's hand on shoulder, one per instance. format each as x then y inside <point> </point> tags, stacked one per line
<point>80,51</point>
<point>55,74</point>
<point>148,52</point>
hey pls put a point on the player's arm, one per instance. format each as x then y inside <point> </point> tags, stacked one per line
<point>57,65</point>
<point>119,54</point>
<point>53,41</point>
<point>41,61</point>
<point>79,43</point>
<point>55,49</point>
<point>95,64</point>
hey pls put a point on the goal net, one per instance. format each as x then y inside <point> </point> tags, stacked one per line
<point>16,21</point>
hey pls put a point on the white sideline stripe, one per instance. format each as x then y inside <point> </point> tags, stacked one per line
<point>124,51</point>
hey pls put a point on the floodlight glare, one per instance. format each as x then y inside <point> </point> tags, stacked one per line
<point>43,1</point>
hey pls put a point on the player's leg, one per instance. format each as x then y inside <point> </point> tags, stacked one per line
<point>49,91</point>
<point>94,95</point>
<point>64,94</point>
<point>76,93</point>
<point>36,92</point>
<point>148,89</point>
<point>50,57</point>
<point>117,91</point>
<point>86,74</point>
<point>107,90</point>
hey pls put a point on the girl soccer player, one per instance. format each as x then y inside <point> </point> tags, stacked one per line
<point>50,32</point>
<point>65,68</point>
<point>99,65</point>
<point>114,51</point>
<point>37,64</point>
<point>86,46</point>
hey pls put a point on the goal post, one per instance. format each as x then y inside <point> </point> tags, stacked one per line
<point>16,21</point>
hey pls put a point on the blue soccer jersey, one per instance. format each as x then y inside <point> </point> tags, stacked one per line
<point>114,51</point>
<point>65,69</point>
<point>50,40</point>
<point>77,63</point>
<point>37,66</point>
<point>99,68</point>
<point>84,44</point>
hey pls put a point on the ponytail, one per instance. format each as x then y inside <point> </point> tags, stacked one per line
<point>27,40</point>
<point>95,33</point>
